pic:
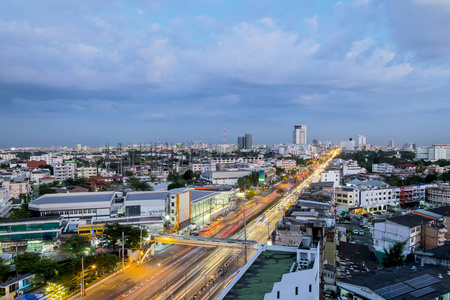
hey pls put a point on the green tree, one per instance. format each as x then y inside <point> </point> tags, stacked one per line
<point>113,234</point>
<point>188,175</point>
<point>21,213</point>
<point>75,245</point>
<point>4,270</point>
<point>173,177</point>
<point>175,185</point>
<point>26,262</point>
<point>46,267</point>
<point>45,189</point>
<point>394,255</point>
<point>138,185</point>
<point>106,262</point>
<point>47,167</point>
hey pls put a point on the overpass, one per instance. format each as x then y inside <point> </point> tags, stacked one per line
<point>202,241</point>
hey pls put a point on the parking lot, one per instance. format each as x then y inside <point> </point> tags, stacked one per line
<point>352,223</point>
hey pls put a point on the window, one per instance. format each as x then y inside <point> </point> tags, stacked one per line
<point>296,290</point>
<point>173,204</point>
<point>278,294</point>
<point>310,288</point>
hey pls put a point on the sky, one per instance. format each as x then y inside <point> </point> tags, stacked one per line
<point>93,72</point>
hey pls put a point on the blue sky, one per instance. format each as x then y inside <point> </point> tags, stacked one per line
<point>128,71</point>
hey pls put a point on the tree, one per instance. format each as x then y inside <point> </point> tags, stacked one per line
<point>394,255</point>
<point>138,185</point>
<point>75,245</point>
<point>280,191</point>
<point>175,185</point>
<point>106,262</point>
<point>26,262</point>
<point>47,167</point>
<point>45,189</point>
<point>46,267</point>
<point>113,234</point>
<point>21,213</point>
<point>4,270</point>
<point>188,175</point>
<point>173,177</point>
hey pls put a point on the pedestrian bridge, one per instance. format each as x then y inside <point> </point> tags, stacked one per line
<point>202,241</point>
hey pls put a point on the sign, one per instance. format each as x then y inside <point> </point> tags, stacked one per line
<point>262,176</point>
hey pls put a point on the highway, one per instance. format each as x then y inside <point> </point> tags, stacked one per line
<point>180,272</point>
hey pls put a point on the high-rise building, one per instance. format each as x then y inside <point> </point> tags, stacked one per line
<point>299,134</point>
<point>348,145</point>
<point>391,144</point>
<point>248,141</point>
<point>361,140</point>
<point>241,142</point>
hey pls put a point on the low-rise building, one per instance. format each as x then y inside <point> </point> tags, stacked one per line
<point>351,167</point>
<point>5,202</point>
<point>17,187</point>
<point>86,172</point>
<point>331,176</point>
<point>225,177</point>
<point>438,195</point>
<point>411,281</point>
<point>382,168</point>
<point>63,171</point>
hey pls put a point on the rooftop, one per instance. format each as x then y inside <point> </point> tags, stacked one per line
<point>411,281</point>
<point>409,220</point>
<point>27,220</point>
<point>139,196</point>
<point>267,269</point>
<point>74,198</point>
<point>197,196</point>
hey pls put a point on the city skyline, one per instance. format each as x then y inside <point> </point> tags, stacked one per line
<point>133,71</point>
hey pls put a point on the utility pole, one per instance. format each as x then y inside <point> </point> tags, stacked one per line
<point>102,243</point>
<point>82,276</point>
<point>245,238</point>
<point>123,252</point>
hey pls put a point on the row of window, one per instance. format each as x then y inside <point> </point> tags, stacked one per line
<point>70,212</point>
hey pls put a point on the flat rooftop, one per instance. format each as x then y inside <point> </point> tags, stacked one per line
<point>259,279</point>
<point>74,198</point>
<point>197,196</point>
<point>140,196</point>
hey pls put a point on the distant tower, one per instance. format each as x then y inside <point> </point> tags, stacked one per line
<point>241,142</point>
<point>361,140</point>
<point>299,134</point>
<point>391,144</point>
<point>224,135</point>
<point>248,141</point>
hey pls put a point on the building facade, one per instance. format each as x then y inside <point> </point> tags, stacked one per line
<point>299,135</point>
<point>63,171</point>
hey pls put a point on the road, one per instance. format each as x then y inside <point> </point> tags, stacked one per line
<point>180,272</point>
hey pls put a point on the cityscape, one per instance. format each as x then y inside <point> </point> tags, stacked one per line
<point>224,150</point>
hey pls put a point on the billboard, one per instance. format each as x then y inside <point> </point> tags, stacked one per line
<point>262,176</point>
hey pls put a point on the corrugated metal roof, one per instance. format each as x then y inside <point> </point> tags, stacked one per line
<point>197,196</point>
<point>140,196</point>
<point>74,198</point>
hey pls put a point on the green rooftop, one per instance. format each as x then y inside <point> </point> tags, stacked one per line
<point>267,269</point>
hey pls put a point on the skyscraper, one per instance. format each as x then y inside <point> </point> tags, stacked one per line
<point>299,134</point>
<point>361,140</point>
<point>241,142</point>
<point>391,144</point>
<point>248,141</point>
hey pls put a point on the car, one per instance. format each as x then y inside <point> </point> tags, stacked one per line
<point>355,231</point>
<point>361,232</point>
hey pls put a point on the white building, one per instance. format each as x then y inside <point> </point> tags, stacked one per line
<point>382,168</point>
<point>362,140</point>
<point>7,156</point>
<point>301,282</point>
<point>334,176</point>
<point>435,152</point>
<point>225,177</point>
<point>351,167</point>
<point>299,135</point>
<point>37,174</point>
<point>5,203</point>
<point>398,229</point>
<point>86,172</point>
<point>348,145</point>
<point>63,171</point>
<point>287,164</point>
